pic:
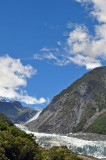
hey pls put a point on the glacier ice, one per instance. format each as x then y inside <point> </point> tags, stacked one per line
<point>91,148</point>
<point>34,117</point>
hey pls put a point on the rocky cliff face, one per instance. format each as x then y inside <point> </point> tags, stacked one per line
<point>76,107</point>
<point>15,111</point>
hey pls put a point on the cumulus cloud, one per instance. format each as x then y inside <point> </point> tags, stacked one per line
<point>81,47</point>
<point>32,100</point>
<point>99,9</point>
<point>91,46</point>
<point>77,40</point>
<point>13,76</point>
<point>80,41</point>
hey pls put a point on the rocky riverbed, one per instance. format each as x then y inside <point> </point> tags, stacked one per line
<point>88,136</point>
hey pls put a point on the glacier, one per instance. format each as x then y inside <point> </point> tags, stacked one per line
<point>90,148</point>
<point>36,115</point>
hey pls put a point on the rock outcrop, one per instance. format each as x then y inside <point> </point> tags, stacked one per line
<point>75,108</point>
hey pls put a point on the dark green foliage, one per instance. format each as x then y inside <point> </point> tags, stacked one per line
<point>99,126</point>
<point>17,145</point>
<point>60,153</point>
<point>5,119</point>
<point>80,125</point>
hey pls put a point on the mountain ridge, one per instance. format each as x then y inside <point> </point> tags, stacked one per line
<point>15,111</point>
<point>72,109</point>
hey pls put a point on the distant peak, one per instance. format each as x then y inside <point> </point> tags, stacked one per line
<point>14,101</point>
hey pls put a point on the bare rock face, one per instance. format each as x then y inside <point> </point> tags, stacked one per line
<point>15,111</point>
<point>76,107</point>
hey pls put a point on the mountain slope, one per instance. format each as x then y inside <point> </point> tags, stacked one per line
<point>5,119</point>
<point>75,108</point>
<point>15,111</point>
<point>99,125</point>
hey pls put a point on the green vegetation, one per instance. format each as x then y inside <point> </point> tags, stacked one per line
<point>88,112</point>
<point>60,153</point>
<point>5,119</point>
<point>80,125</point>
<point>17,145</point>
<point>99,126</point>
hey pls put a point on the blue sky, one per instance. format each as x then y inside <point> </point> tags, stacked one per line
<point>46,45</point>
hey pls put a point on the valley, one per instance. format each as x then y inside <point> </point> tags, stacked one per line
<point>75,118</point>
<point>78,143</point>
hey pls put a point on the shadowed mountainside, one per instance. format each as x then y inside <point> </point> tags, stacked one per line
<point>15,111</point>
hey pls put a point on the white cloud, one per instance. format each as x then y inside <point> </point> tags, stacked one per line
<point>46,53</point>
<point>38,56</point>
<point>13,76</point>
<point>45,49</point>
<point>56,59</point>
<point>88,49</point>
<point>59,43</point>
<point>81,47</point>
<point>89,62</point>
<point>32,100</point>
<point>99,10</point>
<point>81,42</point>
<point>49,56</point>
<point>77,40</point>
<point>48,100</point>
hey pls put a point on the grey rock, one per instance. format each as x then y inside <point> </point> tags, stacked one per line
<point>76,107</point>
